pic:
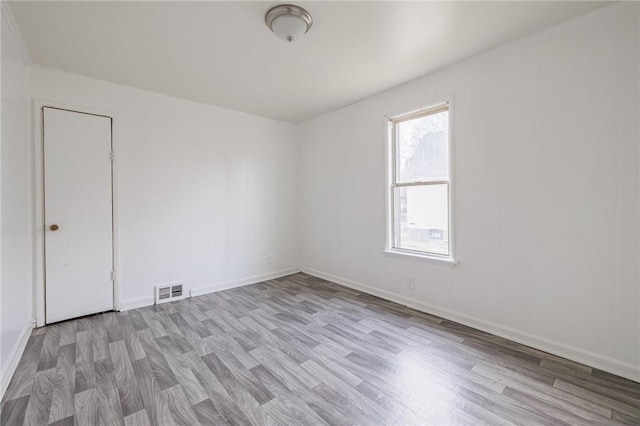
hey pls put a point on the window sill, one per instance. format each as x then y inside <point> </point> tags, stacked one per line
<point>420,257</point>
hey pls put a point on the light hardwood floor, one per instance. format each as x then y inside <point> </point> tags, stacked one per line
<point>299,350</point>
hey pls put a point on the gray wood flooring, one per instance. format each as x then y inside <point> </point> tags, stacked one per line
<point>299,350</point>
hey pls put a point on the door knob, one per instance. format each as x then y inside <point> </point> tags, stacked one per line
<point>54,227</point>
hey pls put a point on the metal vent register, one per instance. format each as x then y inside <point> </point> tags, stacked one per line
<point>169,292</point>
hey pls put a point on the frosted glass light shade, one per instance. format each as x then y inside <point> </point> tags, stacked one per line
<point>289,27</point>
<point>289,22</point>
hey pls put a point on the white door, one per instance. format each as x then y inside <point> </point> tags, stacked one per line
<point>78,214</point>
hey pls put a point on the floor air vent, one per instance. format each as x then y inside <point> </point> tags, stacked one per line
<point>169,292</point>
<point>176,291</point>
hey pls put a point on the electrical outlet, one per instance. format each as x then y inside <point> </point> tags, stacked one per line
<point>410,283</point>
<point>270,260</point>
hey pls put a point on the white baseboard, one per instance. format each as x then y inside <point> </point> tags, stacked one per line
<point>126,305</point>
<point>227,285</point>
<point>620,368</point>
<point>14,356</point>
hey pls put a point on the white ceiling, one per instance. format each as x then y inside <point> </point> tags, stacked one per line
<point>222,53</point>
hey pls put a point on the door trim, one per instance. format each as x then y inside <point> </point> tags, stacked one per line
<point>38,201</point>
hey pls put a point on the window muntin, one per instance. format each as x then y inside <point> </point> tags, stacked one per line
<point>420,182</point>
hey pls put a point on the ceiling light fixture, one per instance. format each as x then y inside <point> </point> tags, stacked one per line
<point>288,22</point>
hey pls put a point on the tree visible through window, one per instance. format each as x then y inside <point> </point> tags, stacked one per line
<point>420,182</point>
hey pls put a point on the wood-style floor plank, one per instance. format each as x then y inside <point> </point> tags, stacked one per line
<point>86,407</point>
<point>137,419</point>
<point>13,412</point>
<point>85,369</point>
<point>181,410</point>
<point>49,353</point>
<point>109,409</point>
<point>40,400</point>
<point>299,350</point>
<point>63,398</point>
<point>22,381</point>
<point>154,401</point>
<point>126,383</point>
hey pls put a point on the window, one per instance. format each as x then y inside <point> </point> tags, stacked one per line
<point>421,183</point>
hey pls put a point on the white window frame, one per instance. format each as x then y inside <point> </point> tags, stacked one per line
<point>390,246</point>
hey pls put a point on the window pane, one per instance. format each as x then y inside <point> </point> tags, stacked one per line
<point>423,148</point>
<point>422,218</point>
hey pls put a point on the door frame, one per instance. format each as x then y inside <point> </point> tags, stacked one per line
<point>38,202</point>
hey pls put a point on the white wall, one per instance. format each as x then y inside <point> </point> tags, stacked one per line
<point>206,195</point>
<point>16,236</point>
<point>546,192</point>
